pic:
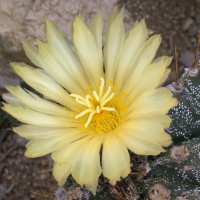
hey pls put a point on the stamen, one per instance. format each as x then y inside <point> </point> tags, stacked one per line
<point>98,110</point>
<point>81,102</point>
<point>106,94</point>
<point>87,100</point>
<point>108,99</point>
<point>84,112</point>
<point>96,95</point>
<point>89,118</point>
<point>77,96</point>
<point>101,88</point>
<point>108,109</point>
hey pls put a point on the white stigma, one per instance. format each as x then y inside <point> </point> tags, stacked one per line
<point>95,102</point>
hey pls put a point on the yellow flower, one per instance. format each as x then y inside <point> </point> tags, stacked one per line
<point>91,103</point>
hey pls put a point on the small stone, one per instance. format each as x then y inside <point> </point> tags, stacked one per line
<point>187,58</point>
<point>192,13</point>
<point>42,177</point>
<point>186,23</point>
<point>32,196</point>
<point>20,152</point>
<point>194,40</point>
<point>192,31</point>
<point>25,160</point>
<point>43,163</point>
<point>20,141</point>
<point>163,4</point>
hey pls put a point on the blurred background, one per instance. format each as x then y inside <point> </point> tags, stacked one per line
<point>178,21</point>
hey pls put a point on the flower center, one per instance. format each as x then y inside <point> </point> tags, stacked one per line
<point>95,103</point>
<point>102,112</point>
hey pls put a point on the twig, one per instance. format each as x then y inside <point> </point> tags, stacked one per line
<point>43,171</point>
<point>7,153</point>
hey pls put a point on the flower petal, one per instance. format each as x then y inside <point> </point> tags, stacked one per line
<point>86,48</point>
<point>9,98</point>
<point>151,101</point>
<point>67,153</point>
<point>58,68</point>
<point>34,102</point>
<point>140,145</point>
<point>115,158</point>
<point>61,172</point>
<point>30,131</point>
<point>154,74</point>
<point>96,27</point>
<point>142,59</point>
<point>148,130</point>
<point>43,84</point>
<point>114,41</point>
<point>136,38</point>
<point>42,146</point>
<point>86,169</point>
<point>28,116</point>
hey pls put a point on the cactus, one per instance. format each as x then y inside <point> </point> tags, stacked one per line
<point>175,174</point>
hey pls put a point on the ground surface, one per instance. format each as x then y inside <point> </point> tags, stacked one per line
<point>177,21</point>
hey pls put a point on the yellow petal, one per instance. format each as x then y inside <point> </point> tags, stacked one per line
<point>42,146</point>
<point>61,172</point>
<point>152,77</point>
<point>28,116</point>
<point>86,48</point>
<point>58,68</point>
<point>59,41</point>
<point>114,41</point>
<point>43,84</point>
<point>65,154</point>
<point>140,145</point>
<point>96,27</point>
<point>34,102</point>
<point>134,41</point>
<point>86,169</point>
<point>142,59</point>
<point>30,131</point>
<point>115,158</point>
<point>159,100</point>
<point>9,98</point>
<point>33,54</point>
<point>146,130</point>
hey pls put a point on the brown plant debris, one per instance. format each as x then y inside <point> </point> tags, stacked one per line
<point>180,153</point>
<point>159,192</point>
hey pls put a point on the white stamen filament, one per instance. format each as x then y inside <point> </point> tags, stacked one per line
<point>107,100</point>
<point>101,88</point>
<point>96,95</point>
<point>84,112</point>
<point>98,110</point>
<point>106,94</point>
<point>95,103</point>
<point>89,118</point>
